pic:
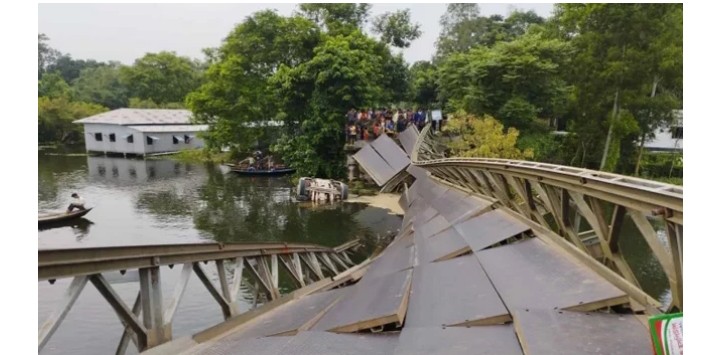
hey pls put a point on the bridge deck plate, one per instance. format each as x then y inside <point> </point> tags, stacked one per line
<point>490,228</point>
<point>566,332</point>
<point>290,318</point>
<point>430,227</point>
<point>453,292</point>
<point>391,153</point>
<point>444,245</point>
<point>396,257</point>
<point>372,303</point>
<point>484,340</point>
<point>531,274</point>
<point>374,164</point>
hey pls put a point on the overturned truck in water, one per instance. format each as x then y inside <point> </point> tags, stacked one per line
<point>313,189</point>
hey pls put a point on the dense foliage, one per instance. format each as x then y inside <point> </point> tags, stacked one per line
<point>305,71</point>
<point>71,89</point>
<point>607,74</point>
<point>483,137</point>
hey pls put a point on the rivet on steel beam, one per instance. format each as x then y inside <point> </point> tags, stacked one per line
<point>51,281</point>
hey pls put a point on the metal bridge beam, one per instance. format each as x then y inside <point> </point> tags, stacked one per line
<point>533,190</point>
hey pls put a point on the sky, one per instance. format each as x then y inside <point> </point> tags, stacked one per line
<point>125,32</point>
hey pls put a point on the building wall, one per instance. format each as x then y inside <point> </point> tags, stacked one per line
<point>664,140</point>
<point>119,146</point>
<point>163,144</point>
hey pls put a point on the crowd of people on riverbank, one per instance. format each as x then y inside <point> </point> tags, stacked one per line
<point>368,124</point>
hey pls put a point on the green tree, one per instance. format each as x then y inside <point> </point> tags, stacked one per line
<point>614,52</point>
<point>463,28</point>
<point>135,102</point>
<point>70,68</point>
<point>483,137</point>
<point>396,28</point>
<point>519,22</point>
<point>424,81</point>
<point>53,85</point>
<point>515,81</point>
<point>337,18</point>
<point>346,71</point>
<point>236,95</point>
<point>101,85</point>
<point>162,77</point>
<point>46,54</point>
<point>55,117</point>
<point>664,62</point>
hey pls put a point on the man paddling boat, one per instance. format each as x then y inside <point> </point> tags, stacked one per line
<point>77,202</point>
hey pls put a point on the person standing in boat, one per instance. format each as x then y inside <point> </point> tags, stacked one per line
<point>77,202</point>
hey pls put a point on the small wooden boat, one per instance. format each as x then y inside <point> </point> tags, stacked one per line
<point>245,170</point>
<point>61,216</point>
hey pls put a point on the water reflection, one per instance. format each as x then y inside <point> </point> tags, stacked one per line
<point>129,170</point>
<point>151,201</point>
<point>164,201</point>
<point>79,227</point>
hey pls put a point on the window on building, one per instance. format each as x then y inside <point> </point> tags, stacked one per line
<point>175,140</point>
<point>112,137</point>
<point>149,140</point>
<point>676,132</point>
<point>98,137</point>
<point>130,139</point>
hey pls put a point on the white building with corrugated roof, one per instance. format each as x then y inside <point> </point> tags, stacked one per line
<point>668,137</point>
<point>141,131</point>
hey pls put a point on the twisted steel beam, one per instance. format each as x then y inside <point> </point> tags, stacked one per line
<point>556,198</point>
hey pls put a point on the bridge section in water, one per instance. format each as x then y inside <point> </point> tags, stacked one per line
<point>491,259</point>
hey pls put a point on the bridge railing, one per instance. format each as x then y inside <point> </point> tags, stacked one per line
<point>304,263</point>
<point>557,199</point>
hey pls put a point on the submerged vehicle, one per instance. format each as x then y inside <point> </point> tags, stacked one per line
<point>324,189</point>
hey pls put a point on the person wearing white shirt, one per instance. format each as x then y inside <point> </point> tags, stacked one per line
<point>77,202</point>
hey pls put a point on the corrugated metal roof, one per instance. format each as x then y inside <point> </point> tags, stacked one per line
<point>170,128</point>
<point>138,116</point>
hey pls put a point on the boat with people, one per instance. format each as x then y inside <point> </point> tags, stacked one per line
<point>314,189</point>
<point>61,216</point>
<point>248,170</point>
<point>259,165</point>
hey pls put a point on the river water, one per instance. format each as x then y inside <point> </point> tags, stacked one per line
<point>164,201</point>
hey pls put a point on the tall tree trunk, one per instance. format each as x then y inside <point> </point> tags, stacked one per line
<point>616,109</point>
<point>608,140</point>
<point>639,158</point>
<point>656,80</point>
